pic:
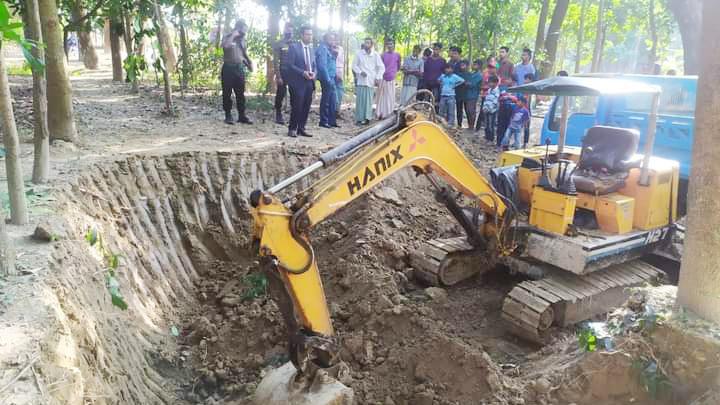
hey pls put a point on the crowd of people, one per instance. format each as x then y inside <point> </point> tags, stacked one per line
<point>463,91</point>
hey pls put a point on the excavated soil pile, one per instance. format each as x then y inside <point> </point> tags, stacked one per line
<point>199,327</point>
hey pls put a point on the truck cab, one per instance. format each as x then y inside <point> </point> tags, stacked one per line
<point>675,123</point>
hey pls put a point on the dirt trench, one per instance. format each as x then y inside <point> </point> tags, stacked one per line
<point>199,327</point>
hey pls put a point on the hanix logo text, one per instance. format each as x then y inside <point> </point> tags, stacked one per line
<point>374,170</point>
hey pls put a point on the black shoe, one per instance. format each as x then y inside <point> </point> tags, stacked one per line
<point>279,118</point>
<point>335,126</point>
<point>325,126</point>
<point>292,133</point>
<point>302,132</point>
<point>243,119</point>
<point>229,119</point>
<point>366,122</point>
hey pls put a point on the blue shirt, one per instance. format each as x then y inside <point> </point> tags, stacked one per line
<point>325,61</point>
<point>520,72</point>
<point>520,116</point>
<point>448,84</point>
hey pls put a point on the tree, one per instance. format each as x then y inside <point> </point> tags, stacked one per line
<point>41,135</point>
<point>689,15</point>
<point>580,37</point>
<point>542,19</point>
<point>652,57</point>
<point>59,93</point>
<point>599,38</point>
<point>164,41</point>
<point>116,30</point>
<point>81,23</point>
<point>553,36</point>
<point>699,287</point>
<point>18,206</point>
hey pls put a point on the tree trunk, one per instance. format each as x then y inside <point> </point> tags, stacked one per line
<point>689,14</point>
<point>581,37</point>
<point>165,42</point>
<point>7,250</point>
<point>540,37</point>
<point>18,207</point>
<point>597,51</point>
<point>185,68</point>
<point>466,22</point>
<point>117,67</point>
<point>86,50</point>
<point>127,32</point>
<point>59,93</point>
<point>273,22</point>
<point>652,57</point>
<point>166,74</point>
<point>553,35</point>
<point>218,39</point>
<point>41,136</point>
<point>699,288</point>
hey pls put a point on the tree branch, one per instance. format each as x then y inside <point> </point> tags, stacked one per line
<point>76,23</point>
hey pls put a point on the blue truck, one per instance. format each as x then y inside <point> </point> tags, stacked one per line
<point>675,123</point>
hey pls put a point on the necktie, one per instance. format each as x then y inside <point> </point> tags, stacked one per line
<point>307,58</point>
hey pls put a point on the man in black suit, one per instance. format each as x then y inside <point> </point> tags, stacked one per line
<point>301,71</point>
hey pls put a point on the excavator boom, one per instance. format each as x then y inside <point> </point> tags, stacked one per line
<point>361,164</point>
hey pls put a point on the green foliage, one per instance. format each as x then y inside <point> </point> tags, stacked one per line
<point>587,340</point>
<point>134,66</point>
<point>651,377</point>
<point>255,286</point>
<point>10,31</point>
<point>112,261</point>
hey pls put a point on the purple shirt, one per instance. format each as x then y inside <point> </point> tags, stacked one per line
<point>391,60</point>
<point>433,69</point>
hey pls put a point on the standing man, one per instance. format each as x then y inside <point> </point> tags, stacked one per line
<point>434,68</point>
<point>339,75</point>
<point>524,68</point>
<point>386,90</point>
<point>301,74</point>
<point>505,71</point>
<point>280,53</point>
<point>326,70</point>
<point>369,70</point>
<point>412,69</point>
<point>235,60</point>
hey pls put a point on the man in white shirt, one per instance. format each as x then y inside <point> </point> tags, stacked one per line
<point>369,70</point>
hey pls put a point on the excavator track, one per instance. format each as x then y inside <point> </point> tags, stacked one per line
<point>445,262</point>
<point>563,298</point>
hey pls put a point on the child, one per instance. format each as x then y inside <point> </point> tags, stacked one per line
<point>490,71</point>
<point>520,117</point>
<point>490,107</point>
<point>448,82</point>
<point>471,90</point>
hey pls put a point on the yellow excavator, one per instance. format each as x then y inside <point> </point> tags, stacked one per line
<point>574,220</point>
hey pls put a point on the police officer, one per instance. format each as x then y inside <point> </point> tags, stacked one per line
<point>280,51</point>
<point>235,60</point>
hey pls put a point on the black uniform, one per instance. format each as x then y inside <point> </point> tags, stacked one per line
<point>280,52</point>
<point>233,75</point>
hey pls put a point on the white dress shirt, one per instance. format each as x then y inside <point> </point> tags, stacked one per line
<point>371,64</point>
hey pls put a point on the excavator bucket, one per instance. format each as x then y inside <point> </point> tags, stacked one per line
<point>283,386</point>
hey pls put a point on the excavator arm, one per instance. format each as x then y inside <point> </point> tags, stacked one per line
<point>361,164</point>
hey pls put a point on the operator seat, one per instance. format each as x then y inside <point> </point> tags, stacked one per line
<point>608,154</point>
